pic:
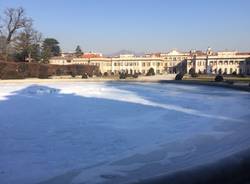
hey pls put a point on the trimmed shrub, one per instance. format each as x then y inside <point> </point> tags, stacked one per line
<point>12,70</point>
<point>191,71</point>
<point>194,75</point>
<point>59,72</point>
<point>78,70</point>
<point>122,75</point>
<point>234,73</point>
<point>43,72</point>
<point>22,67</point>
<point>11,74</point>
<point>150,72</point>
<point>73,74</point>
<point>99,74</point>
<point>128,75</point>
<point>179,76</point>
<point>85,76</point>
<point>2,66</point>
<point>105,74</point>
<point>33,69</point>
<point>242,75</point>
<point>218,78</point>
<point>220,71</point>
<point>136,75</point>
<point>90,75</point>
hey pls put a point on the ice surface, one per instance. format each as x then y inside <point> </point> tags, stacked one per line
<point>115,132</point>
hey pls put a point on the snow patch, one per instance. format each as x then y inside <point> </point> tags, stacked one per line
<point>96,132</point>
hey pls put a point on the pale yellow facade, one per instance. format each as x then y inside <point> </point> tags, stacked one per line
<point>220,62</point>
<point>172,62</point>
<point>117,64</point>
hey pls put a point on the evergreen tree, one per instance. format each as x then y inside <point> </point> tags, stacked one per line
<point>50,48</point>
<point>78,51</point>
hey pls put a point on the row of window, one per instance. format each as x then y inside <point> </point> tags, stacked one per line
<point>176,58</point>
<point>143,64</point>
<point>202,63</point>
<point>224,62</point>
<point>225,70</point>
<point>153,64</point>
<point>137,64</point>
<point>130,71</point>
<point>157,71</point>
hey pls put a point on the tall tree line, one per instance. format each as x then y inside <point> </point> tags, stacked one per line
<point>19,41</point>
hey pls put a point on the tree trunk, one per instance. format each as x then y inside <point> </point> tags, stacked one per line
<point>6,53</point>
<point>29,57</point>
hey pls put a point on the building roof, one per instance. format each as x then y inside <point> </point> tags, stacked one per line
<point>91,55</point>
<point>243,53</point>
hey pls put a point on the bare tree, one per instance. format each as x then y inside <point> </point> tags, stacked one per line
<point>2,46</point>
<point>1,26</point>
<point>2,40</point>
<point>28,42</point>
<point>14,19</point>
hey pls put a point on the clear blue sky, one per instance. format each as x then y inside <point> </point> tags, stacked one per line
<point>141,25</point>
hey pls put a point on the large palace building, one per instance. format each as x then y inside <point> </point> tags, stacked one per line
<point>226,62</point>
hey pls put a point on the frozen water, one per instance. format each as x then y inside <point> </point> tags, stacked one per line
<point>115,132</point>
